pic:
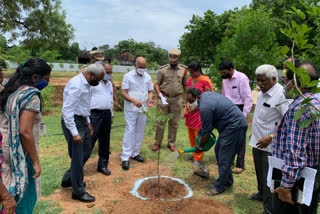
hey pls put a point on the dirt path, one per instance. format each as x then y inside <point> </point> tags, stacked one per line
<point>113,192</point>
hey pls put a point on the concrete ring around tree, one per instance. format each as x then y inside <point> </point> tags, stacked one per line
<point>135,192</point>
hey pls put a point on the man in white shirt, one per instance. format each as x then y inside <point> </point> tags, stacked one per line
<point>267,112</point>
<point>76,127</point>
<point>137,91</point>
<point>101,118</point>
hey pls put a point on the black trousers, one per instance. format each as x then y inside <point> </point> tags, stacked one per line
<point>225,150</point>
<point>101,123</point>
<point>260,159</point>
<point>281,207</point>
<point>78,153</point>
<point>241,152</point>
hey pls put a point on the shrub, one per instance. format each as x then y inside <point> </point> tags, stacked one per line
<point>115,62</point>
<point>51,65</point>
<point>46,95</point>
<point>3,63</point>
<point>61,65</point>
<point>71,66</point>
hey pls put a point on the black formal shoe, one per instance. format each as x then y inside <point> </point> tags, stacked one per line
<point>104,170</point>
<point>125,165</point>
<point>138,158</point>
<point>68,184</point>
<point>85,197</point>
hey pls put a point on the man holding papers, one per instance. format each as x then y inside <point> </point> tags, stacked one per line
<point>298,147</point>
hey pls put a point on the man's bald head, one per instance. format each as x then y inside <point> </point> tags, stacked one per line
<point>141,62</point>
<point>108,68</point>
<point>311,69</point>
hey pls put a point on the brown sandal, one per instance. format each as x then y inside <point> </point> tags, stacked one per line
<point>213,192</point>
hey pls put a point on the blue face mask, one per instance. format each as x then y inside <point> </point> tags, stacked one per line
<point>107,77</point>
<point>42,84</point>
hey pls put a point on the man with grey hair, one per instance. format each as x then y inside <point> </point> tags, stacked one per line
<point>266,114</point>
<point>76,127</point>
<point>137,91</point>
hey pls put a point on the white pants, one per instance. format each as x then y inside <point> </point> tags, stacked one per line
<point>133,134</point>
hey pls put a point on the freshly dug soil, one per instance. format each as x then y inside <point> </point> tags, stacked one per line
<point>169,189</point>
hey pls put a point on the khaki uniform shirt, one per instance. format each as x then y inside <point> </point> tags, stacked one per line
<point>172,81</point>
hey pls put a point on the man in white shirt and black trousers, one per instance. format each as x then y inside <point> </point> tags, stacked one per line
<point>137,90</point>
<point>101,118</point>
<point>76,127</point>
<point>267,112</point>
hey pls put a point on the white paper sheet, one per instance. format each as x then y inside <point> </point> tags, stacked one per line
<point>307,173</point>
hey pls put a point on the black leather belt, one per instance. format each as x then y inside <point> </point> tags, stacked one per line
<point>100,110</point>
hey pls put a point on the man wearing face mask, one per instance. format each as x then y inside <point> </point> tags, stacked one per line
<point>297,147</point>
<point>76,127</point>
<point>101,118</point>
<point>137,91</point>
<point>170,84</point>
<point>235,86</point>
<point>218,112</point>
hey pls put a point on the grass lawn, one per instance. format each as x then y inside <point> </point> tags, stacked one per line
<point>54,162</point>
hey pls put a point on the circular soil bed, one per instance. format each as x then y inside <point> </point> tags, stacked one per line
<point>171,189</point>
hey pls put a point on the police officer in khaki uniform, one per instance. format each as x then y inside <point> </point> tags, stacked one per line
<point>171,81</point>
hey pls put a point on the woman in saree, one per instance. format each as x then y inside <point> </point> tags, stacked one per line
<point>21,103</point>
<point>193,121</point>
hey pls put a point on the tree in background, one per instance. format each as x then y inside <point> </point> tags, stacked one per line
<point>253,42</point>
<point>69,52</point>
<point>40,23</point>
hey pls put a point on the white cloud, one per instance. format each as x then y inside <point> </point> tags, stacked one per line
<point>110,21</point>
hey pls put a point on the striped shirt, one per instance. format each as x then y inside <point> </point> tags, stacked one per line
<point>266,114</point>
<point>296,146</point>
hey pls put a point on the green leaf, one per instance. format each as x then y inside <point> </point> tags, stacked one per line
<point>285,50</point>
<point>302,15</point>
<point>299,112</point>
<point>314,114</point>
<point>315,90</point>
<point>305,101</point>
<point>290,66</point>
<point>304,124</point>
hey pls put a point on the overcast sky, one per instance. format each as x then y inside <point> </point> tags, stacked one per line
<point>99,22</point>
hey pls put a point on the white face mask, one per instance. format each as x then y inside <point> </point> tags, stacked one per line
<point>194,104</point>
<point>141,71</point>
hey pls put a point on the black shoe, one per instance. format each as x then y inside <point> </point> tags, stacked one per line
<point>125,165</point>
<point>85,197</point>
<point>104,170</point>
<point>256,197</point>
<point>138,158</point>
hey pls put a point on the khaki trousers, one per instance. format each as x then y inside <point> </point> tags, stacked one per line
<point>174,107</point>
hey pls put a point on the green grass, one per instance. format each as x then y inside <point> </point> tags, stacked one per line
<point>47,207</point>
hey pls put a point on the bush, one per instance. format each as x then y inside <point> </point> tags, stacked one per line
<point>61,65</point>
<point>115,62</point>
<point>51,65</point>
<point>46,95</point>
<point>120,99</point>
<point>71,66</point>
<point>3,63</point>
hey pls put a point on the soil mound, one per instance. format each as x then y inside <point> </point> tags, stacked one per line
<point>169,189</point>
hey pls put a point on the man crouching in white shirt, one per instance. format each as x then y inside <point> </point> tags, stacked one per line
<point>137,90</point>
<point>77,129</point>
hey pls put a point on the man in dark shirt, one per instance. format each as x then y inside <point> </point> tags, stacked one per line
<point>218,112</point>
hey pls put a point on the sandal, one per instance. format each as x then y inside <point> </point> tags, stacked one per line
<point>213,192</point>
<point>237,170</point>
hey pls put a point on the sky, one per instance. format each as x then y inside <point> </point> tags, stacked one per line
<point>99,22</point>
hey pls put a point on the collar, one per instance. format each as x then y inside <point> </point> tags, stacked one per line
<point>235,74</point>
<point>83,79</point>
<point>272,90</point>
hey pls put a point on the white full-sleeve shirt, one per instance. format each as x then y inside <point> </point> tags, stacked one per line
<point>76,101</point>
<point>102,96</point>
